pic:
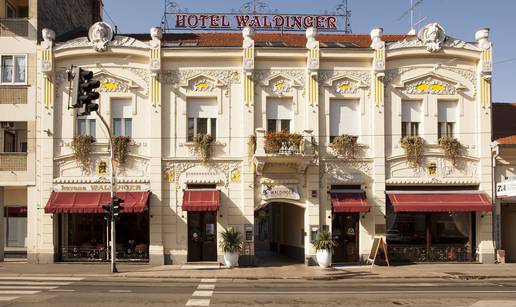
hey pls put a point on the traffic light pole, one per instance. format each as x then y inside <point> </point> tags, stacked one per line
<point>113,186</point>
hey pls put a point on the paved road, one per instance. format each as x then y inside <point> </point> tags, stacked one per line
<point>68,291</point>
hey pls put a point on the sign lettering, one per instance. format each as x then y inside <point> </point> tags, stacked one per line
<point>285,191</point>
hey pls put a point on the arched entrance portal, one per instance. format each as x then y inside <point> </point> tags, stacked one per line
<point>280,233</point>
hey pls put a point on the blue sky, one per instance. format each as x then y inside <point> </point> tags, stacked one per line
<point>460,18</point>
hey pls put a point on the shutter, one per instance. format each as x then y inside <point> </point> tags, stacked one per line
<point>344,117</point>
<point>202,107</point>
<point>279,108</point>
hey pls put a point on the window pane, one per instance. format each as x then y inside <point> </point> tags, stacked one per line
<point>92,127</point>
<point>7,69</point>
<point>271,125</point>
<point>450,228</point>
<point>285,125</point>
<point>117,126</point>
<point>202,126</point>
<point>404,129</point>
<point>213,124</point>
<point>414,129</point>
<point>81,126</point>
<point>128,127</point>
<point>190,135</point>
<point>449,129</point>
<point>406,228</point>
<point>441,130</point>
<point>19,69</point>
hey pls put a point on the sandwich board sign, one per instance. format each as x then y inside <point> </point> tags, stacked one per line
<point>379,245</point>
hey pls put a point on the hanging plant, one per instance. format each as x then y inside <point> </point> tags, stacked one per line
<point>121,148</point>
<point>274,141</point>
<point>81,149</point>
<point>202,146</point>
<point>345,146</point>
<point>451,148</point>
<point>413,146</point>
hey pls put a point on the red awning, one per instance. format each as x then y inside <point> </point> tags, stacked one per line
<point>349,202</point>
<point>92,202</point>
<point>440,202</point>
<point>201,200</point>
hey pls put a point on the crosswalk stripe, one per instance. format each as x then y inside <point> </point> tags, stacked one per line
<point>18,292</point>
<point>27,287</point>
<point>7,298</point>
<point>202,293</point>
<point>209,280</point>
<point>206,287</point>
<point>120,291</point>
<point>198,302</point>
<point>62,290</point>
<point>41,278</point>
<point>36,283</point>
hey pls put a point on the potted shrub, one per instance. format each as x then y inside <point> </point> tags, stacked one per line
<point>324,246</point>
<point>274,141</point>
<point>231,245</point>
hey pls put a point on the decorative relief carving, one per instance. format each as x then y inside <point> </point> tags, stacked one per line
<point>298,75</point>
<point>100,34</point>
<point>202,85</point>
<point>118,41</point>
<point>327,75</point>
<point>231,172</point>
<point>111,85</point>
<point>225,77</point>
<point>430,85</point>
<point>346,87</point>
<point>281,87</point>
<point>351,172</point>
<point>392,74</point>
<point>432,36</point>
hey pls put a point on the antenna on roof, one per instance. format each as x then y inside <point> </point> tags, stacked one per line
<point>171,8</point>
<point>413,5</point>
<point>342,8</point>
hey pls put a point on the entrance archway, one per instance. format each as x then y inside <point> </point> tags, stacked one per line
<point>280,230</point>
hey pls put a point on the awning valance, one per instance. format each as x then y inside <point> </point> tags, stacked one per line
<point>452,202</point>
<point>92,202</point>
<point>349,202</point>
<point>201,200</point>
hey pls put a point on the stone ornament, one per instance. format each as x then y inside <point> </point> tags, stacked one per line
<point>376,39</point>
<point>156,36</point>
<point>100,34</point>
<point>432,36</point>
<point>430,86</point>
<point>202,85</point>
<point>346,87</point>
<point>248,34</point>
<point>311,36</point>
<point>482,38</point>
<point>110,85</point>
<point>49,36</point>
<point>281,87</point>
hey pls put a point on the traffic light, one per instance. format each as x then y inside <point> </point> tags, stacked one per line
<point>83,93</point>
<point>117,207</point>
<point>107,212</point>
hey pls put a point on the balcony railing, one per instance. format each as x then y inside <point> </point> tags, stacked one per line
<point>14,27</point>
<point>13,161</point>
<point>284,143</point>
<point>403,253</point>
<point>13,94</point>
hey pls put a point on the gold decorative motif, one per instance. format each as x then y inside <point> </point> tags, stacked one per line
<point>202,85</point>
<point>430,86</point>
<point>235,175</point>
<point>101,168</point>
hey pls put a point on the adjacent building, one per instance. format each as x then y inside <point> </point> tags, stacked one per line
<point>20,23</point>
<point>308,132</point>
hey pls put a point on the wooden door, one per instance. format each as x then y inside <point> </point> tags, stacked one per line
<point>202,236</point>
<point>345,233</point>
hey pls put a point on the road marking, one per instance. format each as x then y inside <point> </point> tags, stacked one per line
<point>120,291</point>
<point>365,292</point>
<point>202,293</point>
<point>198,302</point>
<point>205,287</point>
<point>42,283</point>
<point>209,280</point>
<point>18,292</point>
<point>62,290</point>
<point>27,287</point>
<point>7,298</point>
<point>41,278</point>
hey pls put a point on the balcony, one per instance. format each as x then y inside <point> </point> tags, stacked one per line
<point>14,27</point>
<point>13,153</point>
<point>13,94</point>
<point>284,148</point>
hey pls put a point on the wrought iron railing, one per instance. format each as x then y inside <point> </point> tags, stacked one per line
<point>76,253</point>
<point>434,254</point>
<point>14,27</point>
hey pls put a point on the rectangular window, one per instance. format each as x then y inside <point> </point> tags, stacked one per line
<point>447,117</point>
<point>410,118</point>
<point>279,114</point>
<point>344,117</point>
<point>202,117</point>
<point>13,69</point>
<point>121,112</point>
<point>86,126</point>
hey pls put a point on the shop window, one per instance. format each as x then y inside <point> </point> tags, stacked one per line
<point>10,10</point>
<point>13,69</point>
<point>447,116</point>
<point>450,228</point>
<point>279,114</point>
<point>202,117</point>
<point>410,118</point>
<point>121,113</point>
<point>344,117</point>
<point>86,125</point>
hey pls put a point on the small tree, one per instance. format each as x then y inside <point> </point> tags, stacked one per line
<point>81,149</point>
<point>413,146</point>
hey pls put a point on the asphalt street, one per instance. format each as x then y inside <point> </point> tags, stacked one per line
<point>70,291</point>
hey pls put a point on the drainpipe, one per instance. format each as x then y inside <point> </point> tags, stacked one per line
<point>495,153</point>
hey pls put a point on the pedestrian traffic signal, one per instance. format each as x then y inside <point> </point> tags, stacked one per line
<point>107,211</point>
<point>117,207</point>
<point>83,93</point>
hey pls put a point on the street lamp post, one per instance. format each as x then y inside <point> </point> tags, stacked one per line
<point>112,192</point>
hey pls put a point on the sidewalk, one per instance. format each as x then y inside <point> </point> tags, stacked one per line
<point>291,271</point>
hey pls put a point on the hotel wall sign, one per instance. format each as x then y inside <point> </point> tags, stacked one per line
<point>283,191</point>
<point>101,187</point>
<point>267,22</point>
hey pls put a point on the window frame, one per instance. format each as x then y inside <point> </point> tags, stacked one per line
<point>407,129</point>
<point>13,82</point>
<point>88,122</point>
<point>209,126</point>
<point>123,122</point>
<point>279,123</point>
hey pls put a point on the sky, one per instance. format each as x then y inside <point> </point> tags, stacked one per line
<point>460,19</point>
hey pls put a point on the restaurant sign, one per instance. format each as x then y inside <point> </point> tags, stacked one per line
<point>284,191</point>
<point>267,22</point>
<point>120,187</point>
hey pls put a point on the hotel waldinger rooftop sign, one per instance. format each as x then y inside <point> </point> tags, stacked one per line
<point>255,14</point>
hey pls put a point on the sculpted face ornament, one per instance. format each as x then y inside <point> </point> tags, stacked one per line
<point>156,35</point>
<point>49,37</point>
<point>432,35</point>
<point>100,34</point>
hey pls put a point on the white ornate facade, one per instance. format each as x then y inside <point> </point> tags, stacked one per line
<point>160,80</point>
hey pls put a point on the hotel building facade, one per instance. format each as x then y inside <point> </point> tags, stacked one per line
<point>308,132</point>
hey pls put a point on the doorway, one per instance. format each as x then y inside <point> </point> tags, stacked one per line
<point>202,236</point>
<point>345,233</point>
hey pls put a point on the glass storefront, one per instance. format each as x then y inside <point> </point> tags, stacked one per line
<point>438,237</point>
<point>84,237</point>
<point>15,227</point>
